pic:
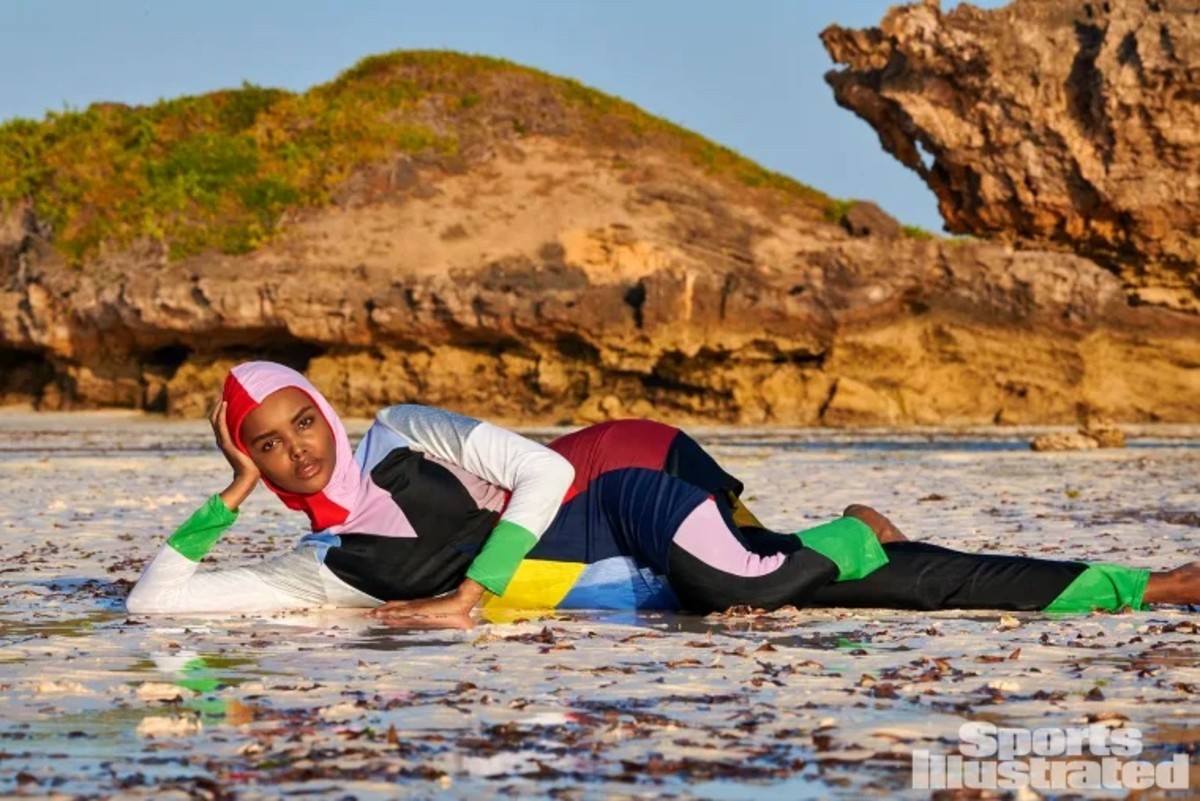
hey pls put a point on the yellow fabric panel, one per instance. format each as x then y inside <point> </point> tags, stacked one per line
<point>537,584</point>
<point>743,517</point>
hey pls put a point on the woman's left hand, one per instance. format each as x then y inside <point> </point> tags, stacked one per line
<point>428,622</point>
<point>459,602</point>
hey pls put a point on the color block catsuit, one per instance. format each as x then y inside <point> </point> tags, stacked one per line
<point>620,515</point>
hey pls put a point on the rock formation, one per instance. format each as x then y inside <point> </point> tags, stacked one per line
<point>1071,124</point>
<point>544,276</point>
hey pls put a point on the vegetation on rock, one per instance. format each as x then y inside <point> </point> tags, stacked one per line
<point>222,170</point>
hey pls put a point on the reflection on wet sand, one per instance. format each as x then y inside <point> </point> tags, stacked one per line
<point>331,703</point>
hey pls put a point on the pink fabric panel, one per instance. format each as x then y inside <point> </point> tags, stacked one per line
<point>705,535</point>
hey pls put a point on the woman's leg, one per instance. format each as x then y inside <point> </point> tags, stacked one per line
<point>1178,586</point>
<point>925,576</point>
<point>712,566</point>
<point>920,575</point>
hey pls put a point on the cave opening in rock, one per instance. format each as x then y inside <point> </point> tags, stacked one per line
<point>23,375</point>
<point>167,359</point>
<point>294,353</point>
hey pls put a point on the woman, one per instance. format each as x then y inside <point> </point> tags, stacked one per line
<point>436,513</point>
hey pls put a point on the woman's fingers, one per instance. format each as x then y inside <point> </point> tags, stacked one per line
<point>429,622</point>
<point>391,607</point>
<point>223,423</point>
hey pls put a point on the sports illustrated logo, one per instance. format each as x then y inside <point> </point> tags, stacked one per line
<point>992,758</point>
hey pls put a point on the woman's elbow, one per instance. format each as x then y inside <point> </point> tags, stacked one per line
<point>135,605</point>
<point>564,471</point>
<point>143,603</point>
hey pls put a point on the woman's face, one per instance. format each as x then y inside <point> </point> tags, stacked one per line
<point>290,441</point>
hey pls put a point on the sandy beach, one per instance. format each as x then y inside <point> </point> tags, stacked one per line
<point>794,704</point>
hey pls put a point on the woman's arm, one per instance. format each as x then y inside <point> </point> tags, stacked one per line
<point>170,583</point>
<point>537,477</point>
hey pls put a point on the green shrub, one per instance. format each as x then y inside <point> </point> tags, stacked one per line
<point>916,232</point>
<point>837,210</point>
<point>219,171</point>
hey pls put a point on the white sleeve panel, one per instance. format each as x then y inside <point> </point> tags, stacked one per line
<point>171,584</point>
<point>537,476</point>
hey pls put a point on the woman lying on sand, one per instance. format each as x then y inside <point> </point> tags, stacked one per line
<point>436,513</point>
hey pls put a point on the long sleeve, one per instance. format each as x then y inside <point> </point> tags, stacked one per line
<point>171,583</point>
<point>537,477</point>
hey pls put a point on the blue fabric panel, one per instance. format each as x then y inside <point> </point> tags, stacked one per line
<point>618,583</point>
<point>377,443</point>
<point>580,532</point>
<point>645,509</point>
<point>633,511</point>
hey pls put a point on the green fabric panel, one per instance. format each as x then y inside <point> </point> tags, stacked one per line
<point>1103,586</point>
<point>194,676</point>
<point>506,546</point>
<point>193,539</point>
<point>849,543</point>
<point>208,707</point>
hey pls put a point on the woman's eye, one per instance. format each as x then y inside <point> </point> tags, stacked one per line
<point>306,422</point>
<point>268,445</point>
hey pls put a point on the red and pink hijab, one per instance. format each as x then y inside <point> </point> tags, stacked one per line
<point>351,502</point>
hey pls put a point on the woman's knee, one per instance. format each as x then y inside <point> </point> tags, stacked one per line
<point>885,530</point>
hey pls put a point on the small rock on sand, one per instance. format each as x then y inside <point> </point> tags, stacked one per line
<point>1092,435</point>
<point>60,688</point>
<point>1107,435</point>
<point>155,691</point>
<point>1074,441</point>
<point>161,726</point>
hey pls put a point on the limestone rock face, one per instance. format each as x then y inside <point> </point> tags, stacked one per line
<point>1071,441</point>
<point>544,284</point>
<point>1070,124</point>
<point>865,218</point>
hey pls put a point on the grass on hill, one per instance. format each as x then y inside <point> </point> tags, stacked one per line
<point>220,171</point>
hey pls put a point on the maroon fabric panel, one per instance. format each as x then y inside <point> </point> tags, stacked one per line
<point>614,445</point>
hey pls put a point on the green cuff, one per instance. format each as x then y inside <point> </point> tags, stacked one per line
<point>1103,586</point>
<point>849,543</point>
<point>194,538</point>
<point>503,551</point>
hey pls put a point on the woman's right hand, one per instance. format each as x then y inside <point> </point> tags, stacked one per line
<point>245,472</point>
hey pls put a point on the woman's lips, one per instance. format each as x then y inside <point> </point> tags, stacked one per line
<point>306,470</point>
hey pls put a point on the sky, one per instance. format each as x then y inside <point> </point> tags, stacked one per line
<point>745,73</point>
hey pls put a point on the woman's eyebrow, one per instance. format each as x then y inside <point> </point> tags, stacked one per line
<point>295,417</point>
<point>263,435</point>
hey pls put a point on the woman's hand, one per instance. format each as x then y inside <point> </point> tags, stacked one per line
<point>245,472</point>
<point>430,622</point>
<point>453,604</point>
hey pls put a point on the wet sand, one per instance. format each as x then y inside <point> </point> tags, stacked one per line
<point>823,703</point>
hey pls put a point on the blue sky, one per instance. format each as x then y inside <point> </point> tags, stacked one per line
<point>746,73</point>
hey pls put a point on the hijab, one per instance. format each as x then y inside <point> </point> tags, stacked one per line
<point>351,501</point>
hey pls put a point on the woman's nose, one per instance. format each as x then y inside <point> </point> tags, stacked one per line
<point>298,449</point>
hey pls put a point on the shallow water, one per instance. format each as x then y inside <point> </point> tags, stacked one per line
<point>795,704</point>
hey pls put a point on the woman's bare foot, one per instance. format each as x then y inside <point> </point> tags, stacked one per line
<point>1178,586</point>
<point>884,529</point>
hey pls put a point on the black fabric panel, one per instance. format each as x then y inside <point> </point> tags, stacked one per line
<point>450,528</point>
<point>687,461</point>
<point>927,577</point>
<point>759,541</point>
<point>702,588</point>
<point>436,504</point>
<point>400,568</point>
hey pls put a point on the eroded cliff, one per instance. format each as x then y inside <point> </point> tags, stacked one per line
<point>551,271</point>
<point>1068,124</point>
